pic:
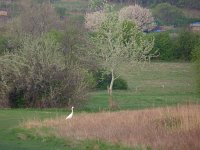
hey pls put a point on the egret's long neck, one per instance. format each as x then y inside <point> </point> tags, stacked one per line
<point>72,110</point>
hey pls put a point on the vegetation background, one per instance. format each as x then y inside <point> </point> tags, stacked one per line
<point>45,69</point>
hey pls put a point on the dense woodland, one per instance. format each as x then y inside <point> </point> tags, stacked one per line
<point>45,52</point>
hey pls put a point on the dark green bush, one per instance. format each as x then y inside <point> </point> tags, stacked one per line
<point>103,80</point>
<point>16,97</point>
<point>120,84</point>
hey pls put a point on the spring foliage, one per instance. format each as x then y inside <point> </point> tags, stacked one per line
<point>142,17</point>
<point>38,74</point>
<point>118,41</point>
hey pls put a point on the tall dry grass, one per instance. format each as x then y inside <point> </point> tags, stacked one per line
<point>176,128</point>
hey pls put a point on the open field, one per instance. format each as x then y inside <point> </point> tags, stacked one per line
<point>157,84</point>
<point>75,9</point>
<point>175,128</point>
<point>15,137</point>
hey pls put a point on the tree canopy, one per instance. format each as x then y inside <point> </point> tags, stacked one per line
<point>118,41</point>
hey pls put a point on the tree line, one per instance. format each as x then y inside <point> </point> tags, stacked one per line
<point>194,4</point>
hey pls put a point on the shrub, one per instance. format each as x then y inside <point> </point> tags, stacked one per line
<point>103,80</point>
<point>39,75</point>
<point>120,84</point>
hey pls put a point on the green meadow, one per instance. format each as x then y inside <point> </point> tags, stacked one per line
<point>154,85</point>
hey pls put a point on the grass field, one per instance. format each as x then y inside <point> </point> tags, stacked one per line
<point>15,137</point>
<point>155,85</point>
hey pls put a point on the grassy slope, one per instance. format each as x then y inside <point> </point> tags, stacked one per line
<point>157,84</point>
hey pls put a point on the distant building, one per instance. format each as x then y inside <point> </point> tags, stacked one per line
<point>195,26</point>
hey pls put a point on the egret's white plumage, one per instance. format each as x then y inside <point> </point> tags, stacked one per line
<point>70,115</point>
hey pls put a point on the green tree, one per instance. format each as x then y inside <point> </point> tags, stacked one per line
<point>166,14</point>
<point>117,42</point>
<point>185,44</point>
<point>164,45</point>
<point>196,59</point>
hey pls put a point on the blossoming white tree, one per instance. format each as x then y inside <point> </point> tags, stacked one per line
<point>141,16</point>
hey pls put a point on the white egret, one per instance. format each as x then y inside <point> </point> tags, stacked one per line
<point>70,115</point>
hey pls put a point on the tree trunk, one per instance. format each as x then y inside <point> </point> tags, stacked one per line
<point>110,102</point>
<point>111,83</point>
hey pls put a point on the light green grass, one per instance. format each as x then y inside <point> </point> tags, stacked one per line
<point>155,85</point>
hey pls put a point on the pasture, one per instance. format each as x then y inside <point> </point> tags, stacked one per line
<point>140,123</point>
<point>13,136</point>
<point>155,85</point>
